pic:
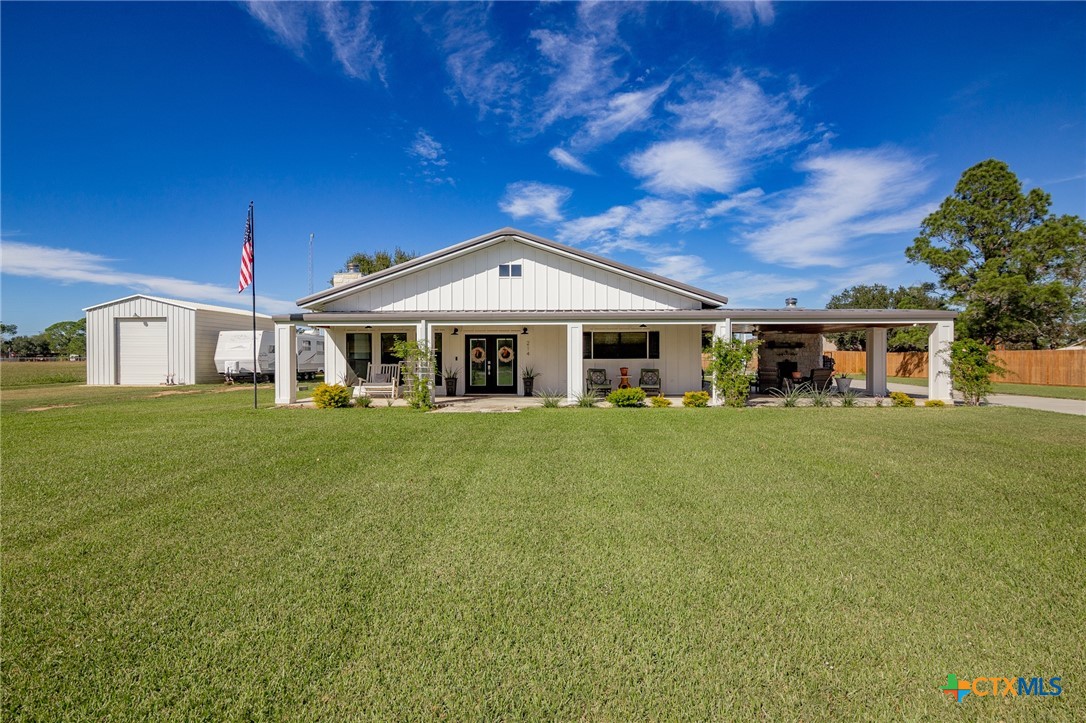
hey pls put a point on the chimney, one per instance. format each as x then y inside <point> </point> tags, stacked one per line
<point>345,277</point>
<point>790,302</point>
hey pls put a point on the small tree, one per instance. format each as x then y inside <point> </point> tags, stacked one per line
<point>971,368</point>
<point>418,372</point>
<point>728,363</point>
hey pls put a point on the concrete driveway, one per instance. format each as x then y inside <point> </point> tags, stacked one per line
<point>1045,404</point>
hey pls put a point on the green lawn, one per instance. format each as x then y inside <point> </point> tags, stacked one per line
<point>1030,390</point>
<point>16,374</point>
<point>186,557</point>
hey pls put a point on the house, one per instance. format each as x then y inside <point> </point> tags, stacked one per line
<point>147,340</point>
<point>507,300</point>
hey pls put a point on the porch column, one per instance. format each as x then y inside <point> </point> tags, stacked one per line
<point>286,363</point>
<point>940,337</point>
<point>876,362</point>
<point>721,330</point>
<point>574,361</point>
<point>424,334</point>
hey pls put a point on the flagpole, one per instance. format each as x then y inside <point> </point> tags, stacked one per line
<point>252,223</point>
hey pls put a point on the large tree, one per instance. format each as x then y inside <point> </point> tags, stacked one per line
<point>378,260</point>
<point>878,296</point>
<point>1016,271</point>
<point>67,337</point>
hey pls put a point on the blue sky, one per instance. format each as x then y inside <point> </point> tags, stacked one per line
<point>754,149</point>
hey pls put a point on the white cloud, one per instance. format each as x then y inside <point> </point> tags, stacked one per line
<point>580,62</point>
<point>427,150</point>
<point>736,202</point>
<point>348,30</point>
<point>288,22</point>
<point>528,199</point>
<point>479,73</point>
<point>621,112</point>
<point>760,290</point>
<point>684,166</point>
<point>847,195</point>
<point>744,13</point>
<point>345,27</point>
<point>620,227</point>
<point>681,267</point>
<point>567,160</point>
<point>740,116</point>
<point>67,266</point>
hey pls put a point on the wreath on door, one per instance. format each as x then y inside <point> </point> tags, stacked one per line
<point>505,354</point>
<point>478,354</point>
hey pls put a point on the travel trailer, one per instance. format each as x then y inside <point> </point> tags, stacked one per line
<point>234,355</point>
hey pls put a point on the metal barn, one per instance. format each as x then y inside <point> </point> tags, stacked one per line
<point>146,340</point>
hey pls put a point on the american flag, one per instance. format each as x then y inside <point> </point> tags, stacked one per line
<point>246,277</point>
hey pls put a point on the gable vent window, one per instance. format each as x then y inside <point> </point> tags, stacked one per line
<point>506,271</point>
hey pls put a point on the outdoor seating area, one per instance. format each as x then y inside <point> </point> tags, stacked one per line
<point>383,381</point>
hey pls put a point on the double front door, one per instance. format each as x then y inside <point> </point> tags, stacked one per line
<point>492,363</point>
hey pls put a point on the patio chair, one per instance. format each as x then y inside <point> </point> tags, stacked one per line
<point>821,378</point>
<point>767,379</point>
<point>597,382</point>
<point>649,381</point>
<point>385,380</point>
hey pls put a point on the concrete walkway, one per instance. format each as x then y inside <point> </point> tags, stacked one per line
<point>1045,404</point>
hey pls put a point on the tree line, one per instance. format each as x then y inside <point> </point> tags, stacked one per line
<point>1015,273</point>
<point>61,339</point>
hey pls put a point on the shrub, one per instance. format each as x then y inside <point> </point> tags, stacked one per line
<point>792,394</point>
<point>696,399</point>
<point>901,399</point>
<point>550,399</point>
<point>728,369</point>
<point>632,397</point>
<point>331,396</point>
<point>971,368</point>
<point>660,401</point>
<point>934,403</point>
<point>820,397</point>
<point>586,399</point>
<point>848,399</point>
<point>364,401</point>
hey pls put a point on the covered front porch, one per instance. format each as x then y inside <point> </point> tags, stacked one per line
<point>490,352</point>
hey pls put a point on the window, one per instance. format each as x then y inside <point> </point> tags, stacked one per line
<point>621,345</point>
<point>388,343</point>
<point>506,271</point>
<point>307,344</point>
<point>359,353</point>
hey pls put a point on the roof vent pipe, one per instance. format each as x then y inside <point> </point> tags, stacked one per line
<point>352,268</point>
<point>790,302</point>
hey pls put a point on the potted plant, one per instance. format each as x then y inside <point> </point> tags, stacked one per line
<point>844,381</point>
<point>450,375</point>
<point>528,375</point>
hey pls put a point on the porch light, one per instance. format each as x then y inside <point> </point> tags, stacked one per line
<point>642,327</point>
<point>456,331</point>
<point>524,332</point>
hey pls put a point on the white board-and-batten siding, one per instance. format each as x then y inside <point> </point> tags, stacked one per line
<point>191,336</point>
<point>549,282</point>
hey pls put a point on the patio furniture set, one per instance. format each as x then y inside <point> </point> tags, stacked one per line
<point>598,383</point>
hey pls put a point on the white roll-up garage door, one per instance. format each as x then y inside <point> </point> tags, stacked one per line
<point>142,356</point>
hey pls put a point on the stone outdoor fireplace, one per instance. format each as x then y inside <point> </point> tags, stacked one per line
<point>805,350</point>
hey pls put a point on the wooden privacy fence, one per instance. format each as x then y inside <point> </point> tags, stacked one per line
<point>1063,367</point>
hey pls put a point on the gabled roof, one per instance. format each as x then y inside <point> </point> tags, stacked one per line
<point>195,306</point>
<point>707,298</point>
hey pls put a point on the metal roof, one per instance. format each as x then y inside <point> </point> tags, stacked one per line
<point>195,306</point>
<point>785,316</point>
<point>706,297</point>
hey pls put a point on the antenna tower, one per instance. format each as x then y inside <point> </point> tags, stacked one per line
<point>310,263</point>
